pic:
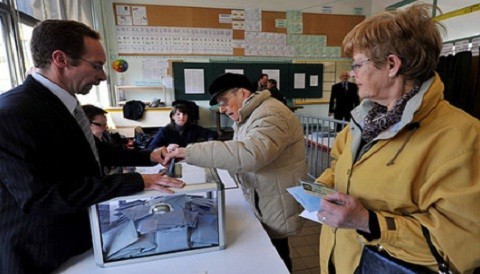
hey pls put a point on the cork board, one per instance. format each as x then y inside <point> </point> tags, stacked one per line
<point>334,27</point>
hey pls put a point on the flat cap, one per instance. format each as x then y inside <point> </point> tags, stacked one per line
<point>225,82</point>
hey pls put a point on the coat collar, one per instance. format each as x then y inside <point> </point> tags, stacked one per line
<point>431,92</point>
<point>251,103</point>
<point>429,95</point>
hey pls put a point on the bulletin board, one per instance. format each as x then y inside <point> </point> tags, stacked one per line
<point>181,87</point>
<point>295,80</point>
<point>138,27</point>
<point>253,71</point>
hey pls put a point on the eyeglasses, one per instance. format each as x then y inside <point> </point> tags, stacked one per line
<point>223,100</point>
<point>96,67</point>
<point>99,124</point>
<point>356,66</point>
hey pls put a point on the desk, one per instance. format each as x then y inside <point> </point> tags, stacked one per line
<point>248,250</point>
<point>293,108</point>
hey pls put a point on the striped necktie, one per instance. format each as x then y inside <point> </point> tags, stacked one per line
<point>85,125</point>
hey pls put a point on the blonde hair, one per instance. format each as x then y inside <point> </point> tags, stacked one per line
<point>409,34</point>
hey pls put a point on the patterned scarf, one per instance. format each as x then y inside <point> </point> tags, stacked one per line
<point>379,119</point>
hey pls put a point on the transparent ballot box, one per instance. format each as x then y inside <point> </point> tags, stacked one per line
<point>154,225</point>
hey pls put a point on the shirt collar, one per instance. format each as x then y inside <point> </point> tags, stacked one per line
<point>67,99</point>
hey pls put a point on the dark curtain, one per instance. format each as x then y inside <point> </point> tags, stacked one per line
<point>476,87</point>
<point>456,74</point>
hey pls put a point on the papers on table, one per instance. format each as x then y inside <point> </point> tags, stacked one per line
<point>192,174</point>
<point>148,169</point>
<point>226,179</point>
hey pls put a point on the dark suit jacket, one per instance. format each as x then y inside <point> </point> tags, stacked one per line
<point>48,179</point>
<point>343,101</point>
<point>277,95</point>
<point>191,133</point>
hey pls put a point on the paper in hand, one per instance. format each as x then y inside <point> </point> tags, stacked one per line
<point>317,189</point>
<point>309,202</point>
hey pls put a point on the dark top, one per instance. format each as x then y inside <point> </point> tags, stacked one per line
<point>182,136</point>
<point>48,179</point>
<point>258,86</point>
<point>277,95</point>
<point>343,100</point>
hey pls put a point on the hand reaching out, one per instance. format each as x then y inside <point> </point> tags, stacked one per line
<point>178,153</point>
<point>158,155</point>
<point>172,147</point>
<point>161,182</point>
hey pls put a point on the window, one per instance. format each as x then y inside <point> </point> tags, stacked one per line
<point>6,82</point>
<point>25,35</point>
<point>41,10</point>
<point>16,31</point>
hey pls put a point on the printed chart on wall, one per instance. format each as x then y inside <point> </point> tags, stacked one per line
<point>249,41</point>
<point>131,15</point>
<point>169,30</point>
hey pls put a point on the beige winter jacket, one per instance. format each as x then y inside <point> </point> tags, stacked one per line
<point>266,156</point>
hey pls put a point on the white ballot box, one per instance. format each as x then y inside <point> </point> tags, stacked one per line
<point>153,225</point>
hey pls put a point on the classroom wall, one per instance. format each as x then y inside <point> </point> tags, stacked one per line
<point>133,76</point>
<point>456,28</point>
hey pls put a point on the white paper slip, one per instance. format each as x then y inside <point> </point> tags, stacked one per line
<point>309,202</point>
<point>310,215</point>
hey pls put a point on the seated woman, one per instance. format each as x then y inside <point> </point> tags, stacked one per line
<point>180,132</point>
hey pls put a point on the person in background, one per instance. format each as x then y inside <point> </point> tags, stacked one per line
<point>49,164</point>
<point>261,83</point>
<point>343,99</point>
<point>180,131</point>
<point>98,124</point>
<point>265,157</point>
<point>272,87</point>
<point>408,158</point>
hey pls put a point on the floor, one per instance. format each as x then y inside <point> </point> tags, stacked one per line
<point>304,249</point>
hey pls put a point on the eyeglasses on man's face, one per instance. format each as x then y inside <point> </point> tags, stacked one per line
<point>223,99</point>
<point>356,66</point>
<point>104,125</point>
<point>95,66</point>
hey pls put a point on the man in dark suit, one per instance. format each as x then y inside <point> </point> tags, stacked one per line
<point>343,99</point>
<point>261,83</point>
<point>49,165</point>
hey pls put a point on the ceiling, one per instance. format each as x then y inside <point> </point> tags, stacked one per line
<point>458,26</point>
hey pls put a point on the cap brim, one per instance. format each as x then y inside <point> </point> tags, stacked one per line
<point>213,99</point>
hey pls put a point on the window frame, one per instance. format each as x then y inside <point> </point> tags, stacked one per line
<point>10,19</point>
<point>9,42</point>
